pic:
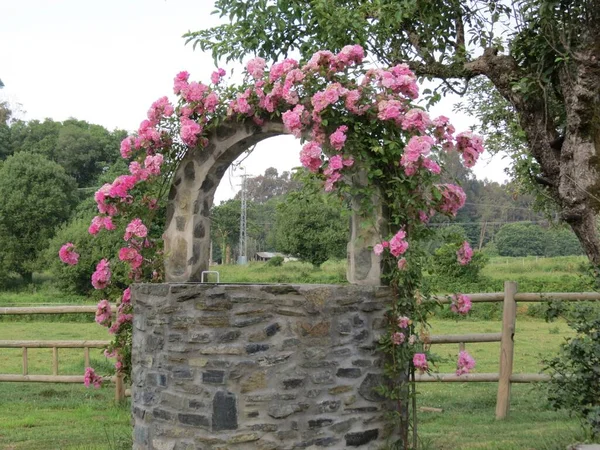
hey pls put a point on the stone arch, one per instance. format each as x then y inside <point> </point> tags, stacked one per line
<point>187,229</point>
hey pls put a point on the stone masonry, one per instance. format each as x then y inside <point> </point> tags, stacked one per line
<point>187,229</point>
<point>270,367</point>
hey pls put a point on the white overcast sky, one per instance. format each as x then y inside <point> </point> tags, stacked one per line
<point>106,61</point>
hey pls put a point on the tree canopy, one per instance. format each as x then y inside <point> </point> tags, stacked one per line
<point>541,56</point>
<point>36,195</point>
<point>84,150</point>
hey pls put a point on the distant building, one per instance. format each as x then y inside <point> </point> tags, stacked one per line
<point>265,256</point>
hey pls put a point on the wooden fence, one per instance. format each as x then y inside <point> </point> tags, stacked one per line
<point>120,391</point>
<point>505,376</point>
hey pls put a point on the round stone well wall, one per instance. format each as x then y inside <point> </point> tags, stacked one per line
<point>219,366</point>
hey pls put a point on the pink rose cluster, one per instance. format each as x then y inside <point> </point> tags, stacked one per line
<point>415,156</point>
<point>310,156</point>
<point>131,256</point>
<point>103,313</point>
<point>470,146</point>
<point>453,198</point>
<point>101,277</point>
<point>294,120</point>
<point>336,164</point>
<point>465,363</point>
<point>420,362</point>
<point>398,79</point>
<point>135,228</point>
<point>444,132</point>
<point>461,304</point>
<point>464,254</point>
<point>151,166</point>
<point>68,255</point>
<point>256,68</point>
<point>119,189</point>
<point>329,63</point>
<point>216,76</point>
<point>126,298</point>
<point>397,246</point>
<point>100,223</point>
<point>398,338</point>
<point>404,322</point>
<point>121,320</point>
<point>91,378</point>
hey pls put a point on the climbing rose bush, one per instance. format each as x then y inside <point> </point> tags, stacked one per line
<point>352,120</point>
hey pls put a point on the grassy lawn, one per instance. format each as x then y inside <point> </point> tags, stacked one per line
<point>52,416</point>
<point>58,416</point>
<point>467,420</point>
<point>330,272</point>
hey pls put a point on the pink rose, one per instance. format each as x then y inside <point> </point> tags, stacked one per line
<point>68,255</point>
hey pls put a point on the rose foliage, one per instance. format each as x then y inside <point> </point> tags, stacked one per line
<point>352,119</point>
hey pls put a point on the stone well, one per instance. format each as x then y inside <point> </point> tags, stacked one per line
<point>257,366</point>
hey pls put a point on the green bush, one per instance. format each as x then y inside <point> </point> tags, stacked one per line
<point>275,261</point>
<point>527,239</point>
<point>77,279</point>
<point>575,372</point>
<point>447,273</point>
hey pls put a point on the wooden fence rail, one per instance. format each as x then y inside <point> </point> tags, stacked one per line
<point>120,391</point>
<point>505,376</point>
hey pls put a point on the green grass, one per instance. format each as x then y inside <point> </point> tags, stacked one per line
<point>48,416</point>
<point>534,267</point>
<point>468,417</point>
<point>330,272</point>
<point>33,416</point>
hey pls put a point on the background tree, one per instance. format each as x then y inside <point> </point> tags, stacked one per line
<point>36,195</point>
<point>541,56</point>
<point>262,188</point>
<point>311,224</point>
<point>84,150</point>
<point>225,229</point>
<point>527,239</point>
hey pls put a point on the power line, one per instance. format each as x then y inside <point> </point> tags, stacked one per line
<point>486,222</point>
<point>499,206</point>
<point>243,245</point>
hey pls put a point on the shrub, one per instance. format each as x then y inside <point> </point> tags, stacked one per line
<point>275,261</point>
<point>575,372</point>
<point>447,271</point>
<point>76,279</point>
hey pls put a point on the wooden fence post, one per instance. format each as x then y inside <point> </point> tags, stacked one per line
<point>54,361</point>
<point>119,388</point>
<point>507,347</point>
<point>25,365</point>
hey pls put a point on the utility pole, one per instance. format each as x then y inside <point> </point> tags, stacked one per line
<point>243,258</point>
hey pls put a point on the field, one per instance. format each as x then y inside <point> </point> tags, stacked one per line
<point>52,416</point>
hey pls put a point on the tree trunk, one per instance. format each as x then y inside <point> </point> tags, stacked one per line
<point>586,231</point>
<point>27,277</point>
<point>570,163</point>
